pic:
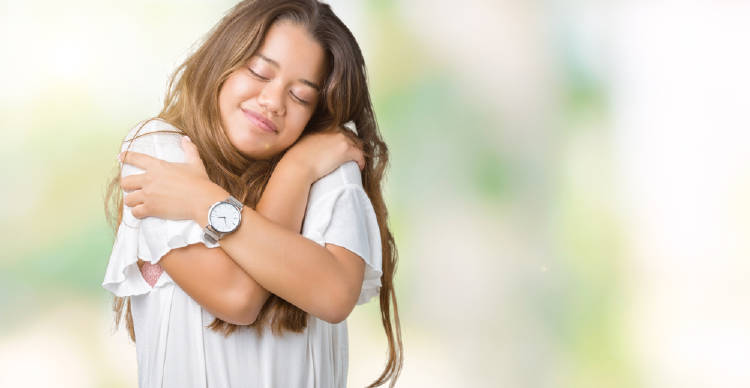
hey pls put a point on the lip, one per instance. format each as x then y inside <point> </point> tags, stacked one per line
<point>261,122</point>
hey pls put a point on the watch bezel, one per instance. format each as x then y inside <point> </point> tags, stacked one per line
<point>211,210</point>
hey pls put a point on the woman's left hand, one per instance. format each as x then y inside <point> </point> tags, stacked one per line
<point>173,191</point>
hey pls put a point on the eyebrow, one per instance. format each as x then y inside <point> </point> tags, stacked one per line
<point>304,81</point>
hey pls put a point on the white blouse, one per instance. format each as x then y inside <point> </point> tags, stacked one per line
<point>175,348</point>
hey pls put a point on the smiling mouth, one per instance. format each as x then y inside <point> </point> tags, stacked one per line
<point>261,122</point>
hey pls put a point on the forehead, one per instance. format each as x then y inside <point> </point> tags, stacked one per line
<point>295,51</point>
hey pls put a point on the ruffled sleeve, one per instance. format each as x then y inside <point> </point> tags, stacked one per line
<point>339,212</point>
<point>150,238</point>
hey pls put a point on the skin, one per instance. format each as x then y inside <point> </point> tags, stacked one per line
<point>281,82</point>
<point>266,253</point>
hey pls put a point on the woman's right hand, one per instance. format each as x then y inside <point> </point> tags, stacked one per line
<point>318,154</point>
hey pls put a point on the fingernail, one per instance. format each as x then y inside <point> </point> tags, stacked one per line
<point>186,139</point>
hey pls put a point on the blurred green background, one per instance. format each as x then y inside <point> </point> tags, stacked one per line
<point>568,186</point>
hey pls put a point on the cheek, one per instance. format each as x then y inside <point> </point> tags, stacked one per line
<point>225,96</point>
<point>296,125</point>
<point>236,87</point>
<point>289,139</point>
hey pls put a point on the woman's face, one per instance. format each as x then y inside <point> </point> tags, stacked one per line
<point>266,104</point>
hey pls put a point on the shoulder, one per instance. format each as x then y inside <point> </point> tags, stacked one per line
<point>340,212</point>
<point>346,176</point>
<point>155,130</point>
<point>155,137</point>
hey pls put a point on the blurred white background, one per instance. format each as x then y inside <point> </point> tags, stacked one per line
<point>568,186</point>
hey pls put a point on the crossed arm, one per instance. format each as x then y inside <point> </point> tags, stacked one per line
<point>266,254</point>
<point>214,280</point>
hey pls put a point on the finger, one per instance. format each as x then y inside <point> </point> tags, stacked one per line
<point>134,199</point>
<point>356,143</point>
<point>133,182</point>
<point>359,157</point>
<point>358,148</point>
<point>353,151</point>
<point>191,152</point>
<point>139,160</point>
<point>139,211</point>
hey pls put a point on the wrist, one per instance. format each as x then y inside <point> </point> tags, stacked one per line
<point>204,198</point>
<point>293,170</point>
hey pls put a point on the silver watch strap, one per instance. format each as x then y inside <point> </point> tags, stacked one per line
<point>232,200</point>
<point>211,235</point>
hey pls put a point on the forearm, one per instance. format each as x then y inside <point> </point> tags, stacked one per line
<point>283,202</point>
<point>284,199</point>
<point>295,268</point>
<point>215,281</point>
<point>283,262</point>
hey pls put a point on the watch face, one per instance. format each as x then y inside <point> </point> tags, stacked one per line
<point>224,217</point>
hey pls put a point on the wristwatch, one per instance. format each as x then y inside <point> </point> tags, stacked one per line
<point>224,217</point>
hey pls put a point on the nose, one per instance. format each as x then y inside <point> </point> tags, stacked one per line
<point>271,99</point>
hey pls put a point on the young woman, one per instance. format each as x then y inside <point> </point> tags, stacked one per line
<point>216,283</point>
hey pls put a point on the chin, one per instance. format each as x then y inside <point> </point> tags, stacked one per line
<point>250,146</point>
<point>258,152</point>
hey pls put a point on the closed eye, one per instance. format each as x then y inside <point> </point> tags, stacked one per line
<point>301,101</point>
<point>266,79</point>
<point>262,78</point>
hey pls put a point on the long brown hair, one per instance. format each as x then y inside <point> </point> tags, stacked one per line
<point>191,105</point>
